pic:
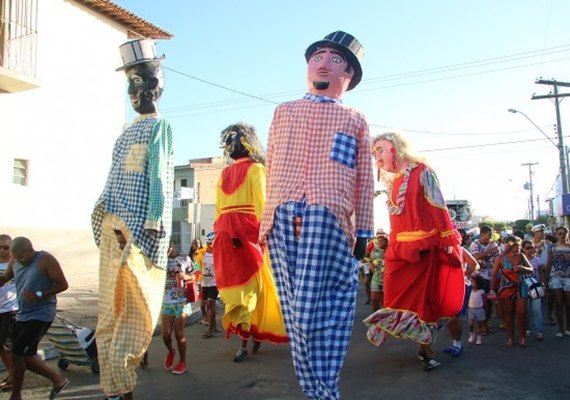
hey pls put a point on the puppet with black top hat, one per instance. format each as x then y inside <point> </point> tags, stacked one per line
<point>318,213</point>
<point>136,204</point>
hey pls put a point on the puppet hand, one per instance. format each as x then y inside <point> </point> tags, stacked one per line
<point>360,248</point>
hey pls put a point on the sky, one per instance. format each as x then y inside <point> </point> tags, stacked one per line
<point>442,72</point>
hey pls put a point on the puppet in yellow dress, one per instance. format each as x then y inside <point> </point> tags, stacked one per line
<point>243,273</point>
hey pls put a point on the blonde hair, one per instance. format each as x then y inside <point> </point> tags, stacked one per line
<point>403,152</point>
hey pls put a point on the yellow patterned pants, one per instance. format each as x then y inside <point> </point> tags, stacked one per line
<point>131,289</point>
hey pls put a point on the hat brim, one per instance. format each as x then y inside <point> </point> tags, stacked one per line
<point>146,60</point>
<point>352,60</point>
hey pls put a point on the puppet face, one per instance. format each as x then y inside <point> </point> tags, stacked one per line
<point>234,147</point>
<point>384,153</point>
<point>146,82</point>
<point>327,73</point>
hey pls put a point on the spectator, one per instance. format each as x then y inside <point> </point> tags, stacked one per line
<point>534,306</point>
<point>375,255</point>
<point>528,234</point>
<point>209,288</point>
<point>509,268</point>
<point>485,250</point>
<point>38,278</point>
<point>475,310</point>
<point>176,307</point>
<point>470,266</point>
<point>558,271</point>
<point>8,309</point>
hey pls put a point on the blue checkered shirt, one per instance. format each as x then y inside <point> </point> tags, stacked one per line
<point>139,186</point>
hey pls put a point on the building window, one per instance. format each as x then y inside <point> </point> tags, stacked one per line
<point>183,182</point>
<point>20,172</point>
<point>175,235</point>
<point>18,34</point>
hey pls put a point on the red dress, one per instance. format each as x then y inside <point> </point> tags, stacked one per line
<point>423,284</point>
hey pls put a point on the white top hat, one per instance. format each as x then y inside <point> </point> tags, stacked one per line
<point>138,51</point>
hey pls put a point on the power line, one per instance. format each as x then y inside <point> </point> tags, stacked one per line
<point>472,146</point>
<point>452,133</point>
<point>434,70</point>
<point>220,86</point>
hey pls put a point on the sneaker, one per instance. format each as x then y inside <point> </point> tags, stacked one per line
<point>455,351</point>
<point>256,346</point>
<point>179,369</point>
<point>431,363</point>
<point>539,336</point>
<point>241,355</point>
<point>479,340</point>
<point>566,333</point>
<point>471,338</point>
<point>169,361</point>
<point>559,335</point>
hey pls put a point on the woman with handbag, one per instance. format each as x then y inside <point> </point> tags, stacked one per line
<point>558,271</point>
<point>510,267</point>
<point>535,304</point>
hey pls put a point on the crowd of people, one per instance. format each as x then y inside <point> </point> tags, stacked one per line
<point>520,279</point>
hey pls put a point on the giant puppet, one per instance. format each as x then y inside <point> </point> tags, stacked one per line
<point>136,204</point>
<point>423,277</point>
<point>243,273</point>
<point>318,211</point>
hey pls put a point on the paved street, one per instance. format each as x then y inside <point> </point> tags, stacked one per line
<point>490,371</point>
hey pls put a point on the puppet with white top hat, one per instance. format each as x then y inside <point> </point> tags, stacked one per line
<point>132,224</point>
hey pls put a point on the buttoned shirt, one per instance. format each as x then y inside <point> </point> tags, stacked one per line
<point>319,151</point>
<point>139,187</point>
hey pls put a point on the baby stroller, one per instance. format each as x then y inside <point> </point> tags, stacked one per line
<point>75,344</point>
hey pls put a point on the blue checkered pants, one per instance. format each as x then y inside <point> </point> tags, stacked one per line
<point>316,277</point>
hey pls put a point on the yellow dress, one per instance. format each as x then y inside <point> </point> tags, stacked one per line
<point>243,272</point>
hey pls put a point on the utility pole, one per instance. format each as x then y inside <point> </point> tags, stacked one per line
<point>531,197</point>
<point>561,150</point>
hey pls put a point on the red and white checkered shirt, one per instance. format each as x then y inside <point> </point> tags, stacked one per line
<point>321,151</point>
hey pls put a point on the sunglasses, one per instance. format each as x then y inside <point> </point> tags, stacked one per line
<point>5,248</point>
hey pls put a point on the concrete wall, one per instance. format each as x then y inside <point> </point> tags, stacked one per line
<point>65,128</point>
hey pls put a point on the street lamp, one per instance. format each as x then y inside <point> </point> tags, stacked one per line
<point>560,148</point>
<point>512,110</point>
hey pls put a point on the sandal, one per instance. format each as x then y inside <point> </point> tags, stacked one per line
<point>5,386</point>
<point>57,390</point>
<point>509,342</point>
<point>523,343</point>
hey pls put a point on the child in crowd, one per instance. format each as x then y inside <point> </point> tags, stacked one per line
<point>375,256</point>
<point>475,310</point>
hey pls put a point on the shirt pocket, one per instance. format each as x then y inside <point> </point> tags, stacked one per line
<point>343,149</point>
<point>136,159</point>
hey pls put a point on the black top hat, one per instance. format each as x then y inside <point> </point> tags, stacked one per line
<point>350,47</point>
<point>136,52</point>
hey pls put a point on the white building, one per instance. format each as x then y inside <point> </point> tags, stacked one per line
<point>62,105</point>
